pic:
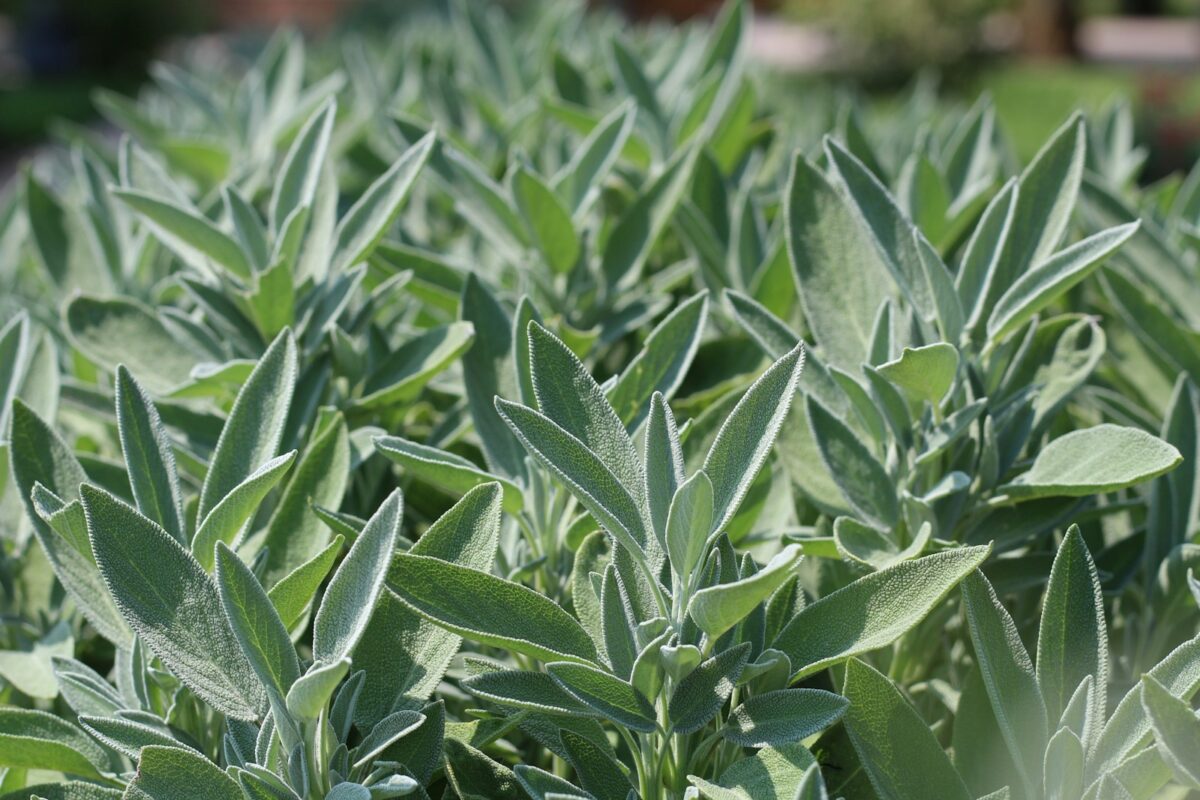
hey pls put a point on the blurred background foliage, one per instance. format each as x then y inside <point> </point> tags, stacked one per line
<point>1038,59</point>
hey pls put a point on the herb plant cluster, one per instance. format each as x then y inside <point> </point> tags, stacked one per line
<point>541,409</point>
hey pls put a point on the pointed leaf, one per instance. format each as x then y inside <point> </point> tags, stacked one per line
<point>368,219</point>
<point>172,604</point>
<point>883,605</point>
<point>898,750</point>
<point>259,630</point>
<point>698,697</point>
<point>149,458</point>
<point>487,609</point>
<point>255,425</point>
<point>748,433</point>
<point>611,697</point>
<point>716,609</point>
<point>350,598</point>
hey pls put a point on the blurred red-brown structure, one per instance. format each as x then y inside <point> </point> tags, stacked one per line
<point>308,14</point>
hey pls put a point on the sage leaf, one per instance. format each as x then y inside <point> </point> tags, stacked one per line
<point>1103,458</point>
<point>149,458</point>
<point>355,586</point>
<point>883,606</point>
<point>745,438</point>
<point>610,696</point>
<point>259,630</point>
<point>172,773</point>
<point>172,604</point>
<point>698,697</point>
<point>783,716</point>
<point>365,223</point>
<point>255,425</point>
<point>487,609</point>
<point>896,747</point>
<point>716,609</point>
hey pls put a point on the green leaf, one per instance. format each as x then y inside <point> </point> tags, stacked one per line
<point>587,476</point>
<point>39,740</point>
<point>149,458</point>
<point>296,184</point>
<point>172,604</point>
<point>567,393</point>
<point>662,362</point>
<point>716,609</point>
<point>639,227</point>
<point>256,624</point>
<point>368,219</point>
<point>1176,731</point>
<point>689,522</point>
<point>229,517</point>
<point>861,478</point>
<point>534,691</point>
<point>924,373</point>
<point>409,367</point>
<point>255,425</point>
<point>1129,725</point>
<point>403,654</point>
<point>295,533</point>
<point>1043,284</point>
<point>549,222</point>
<point>272,299</point>
<point>783,716</point>
<point>192,236</point>
<point>823,238</point>
<point>311,693</point>
<point>768,331</point>
<point>1009,677</point>
<point>866,545</point>
<point>1044,201</point>
<point>489,370</point>
<point>30,668</point>
<point>579,180</point>
<point>873,611</point>
<point>350,597</point>
<point>596,768</point>
<point>118,330</point>
<point>1095,460</point>
<point>611,697</point>
<point>385,733</point>
<point>617,621</point>
<point>67,790</point>
<point>172,773</point>
<point>488,610</point>
<point>630,76</point>
<point>771,772</point>
<point>1063,769</point>
<point>698,697</point>
<point>247,226</point>
<point>1073,638</point>
<point>127,736</point>
<point>447,471</point>
<point>48,229</point>
<point>40,459</point>
<point>898,750</point>
<point>812,786</point>
<point>663,460</point>
<point>897,240</point>
<point>748,433</point>
<point>983,254</point>
<point>543,785</point>
<point>293,593</point>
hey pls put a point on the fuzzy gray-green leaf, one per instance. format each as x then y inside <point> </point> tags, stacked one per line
<point>172,604</point>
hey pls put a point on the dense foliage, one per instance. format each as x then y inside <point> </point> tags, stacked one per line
<point>536,411</point>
